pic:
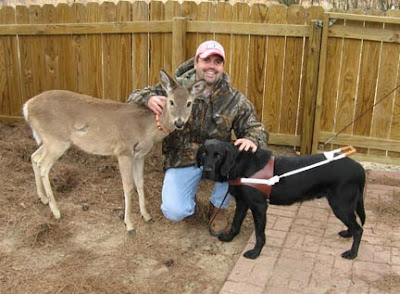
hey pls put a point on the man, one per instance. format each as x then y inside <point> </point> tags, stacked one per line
<point>220,110</point>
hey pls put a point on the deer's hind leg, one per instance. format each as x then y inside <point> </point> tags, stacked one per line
<point>35,157</point>
<point>44,159</point>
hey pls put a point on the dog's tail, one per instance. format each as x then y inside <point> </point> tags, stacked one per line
<point>360,209</point>
<point>360,203</point>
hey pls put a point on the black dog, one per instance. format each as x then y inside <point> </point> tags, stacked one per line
<point>341,182</point>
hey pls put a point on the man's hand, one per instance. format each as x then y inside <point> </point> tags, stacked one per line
<point>245,144</point>
<point>156,104</point>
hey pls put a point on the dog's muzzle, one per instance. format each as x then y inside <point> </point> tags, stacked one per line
<point>208,173</point>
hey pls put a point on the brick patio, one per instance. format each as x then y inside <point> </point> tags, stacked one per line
<point>302,254</point>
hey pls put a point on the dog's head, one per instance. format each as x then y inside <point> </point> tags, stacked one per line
<point>217,158</point>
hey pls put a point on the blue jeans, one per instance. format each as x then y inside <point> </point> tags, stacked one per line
<point>179,192</point>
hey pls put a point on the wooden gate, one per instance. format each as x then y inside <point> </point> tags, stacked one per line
<point>359,66</point>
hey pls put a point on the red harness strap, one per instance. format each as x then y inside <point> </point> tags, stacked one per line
<point>265,173</point>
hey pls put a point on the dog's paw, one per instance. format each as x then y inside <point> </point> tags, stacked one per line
<point>252,254</point>
<point>349,254</point>
<point>345,234</point>
<point>226,237</point>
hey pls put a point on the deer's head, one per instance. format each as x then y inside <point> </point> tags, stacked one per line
<point>178,107</point>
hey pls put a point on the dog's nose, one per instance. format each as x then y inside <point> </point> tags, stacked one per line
<point>179,124</point>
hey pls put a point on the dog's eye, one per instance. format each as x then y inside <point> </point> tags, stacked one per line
<point>217,156</point>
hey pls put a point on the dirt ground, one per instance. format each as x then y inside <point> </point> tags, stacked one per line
<point>88,250</point>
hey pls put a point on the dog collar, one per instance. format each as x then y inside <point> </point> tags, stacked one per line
<point>266,172</point>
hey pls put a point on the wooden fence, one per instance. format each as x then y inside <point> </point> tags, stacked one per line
<point>303,92</point>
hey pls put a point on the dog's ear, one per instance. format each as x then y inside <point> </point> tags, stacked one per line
<point>200,156</point>
<point>231,152</point>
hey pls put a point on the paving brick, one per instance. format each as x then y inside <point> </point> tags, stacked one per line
<point>304,222</point>
<point>283,223</point>
<point>396,256</point>
<point>314,213</point>
<point>292,270</point>
<point>303,242</point>
<point>361,266</point>
<point>287,211</point>
<point>279,290</point>
<point>317,232</point>
<point>240,288</point>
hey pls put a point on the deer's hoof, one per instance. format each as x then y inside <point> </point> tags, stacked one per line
<point>132,232</point>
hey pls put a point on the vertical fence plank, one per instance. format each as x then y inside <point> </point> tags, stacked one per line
<point>189,10</point>
<point>140,49</point>
<point>321,82</point>
<point>395,117</point>
<point>379,46</point>
<point>10,91</point>
<point>348,78</point>
<point>313,13</point>
<point>156,61</point>
<point>31,52</point>
<point>310,88</point>
<point>51,50</point>
<point>178,42</point>
<point>172,9</point>
<point>124,56</point>
<point>388,71</point>
<point>108,12</point>
<point>275,59</point>
<point>292,75</point>
<point>224,13</point>
<point>116,53</point>
<point>93,54</point>
<point>367,85</point>
<point>65,74</point>
<point>79,51</point>
<point>334,53</point>
<point>240,50</point>
<point>257,63</point>
<point>207,11</point>
<point>26,82</point>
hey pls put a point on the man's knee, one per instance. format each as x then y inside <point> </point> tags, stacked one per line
<point>175,214</point>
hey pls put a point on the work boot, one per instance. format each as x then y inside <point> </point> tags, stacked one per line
<point>217,220</point>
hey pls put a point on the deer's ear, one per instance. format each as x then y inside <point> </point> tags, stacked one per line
<point>198,88</point>
<point>167,82</point>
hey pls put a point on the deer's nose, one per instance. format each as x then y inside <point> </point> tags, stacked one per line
<point>179,124</point>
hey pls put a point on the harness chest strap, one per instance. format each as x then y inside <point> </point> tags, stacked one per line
<point>266,172</point>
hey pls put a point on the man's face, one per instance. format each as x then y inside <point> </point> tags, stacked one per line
<point>210,69</point>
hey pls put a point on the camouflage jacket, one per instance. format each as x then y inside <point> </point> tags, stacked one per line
<point>213,117</point>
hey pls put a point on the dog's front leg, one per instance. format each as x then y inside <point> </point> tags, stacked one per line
<point>259,212</point>
<point>240,214</point>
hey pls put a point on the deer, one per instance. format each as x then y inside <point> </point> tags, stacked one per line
<point>60,119</point>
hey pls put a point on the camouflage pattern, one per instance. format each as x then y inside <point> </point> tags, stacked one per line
<point>213,117</point>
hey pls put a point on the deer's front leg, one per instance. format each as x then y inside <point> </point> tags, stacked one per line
<point>138,171</point>
<point>126,168</point>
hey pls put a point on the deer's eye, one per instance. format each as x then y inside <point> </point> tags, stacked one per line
<point>171,103</point>
<point>189,104</point>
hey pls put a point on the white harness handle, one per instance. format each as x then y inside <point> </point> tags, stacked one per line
<point>329,155</point>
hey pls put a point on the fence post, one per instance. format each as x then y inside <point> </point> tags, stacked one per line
<point>178,41</point>
<point>311,86</point>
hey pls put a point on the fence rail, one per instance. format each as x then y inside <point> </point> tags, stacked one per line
<point>304,83</point>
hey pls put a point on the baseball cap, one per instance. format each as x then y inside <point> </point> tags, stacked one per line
<point>209,48</point>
